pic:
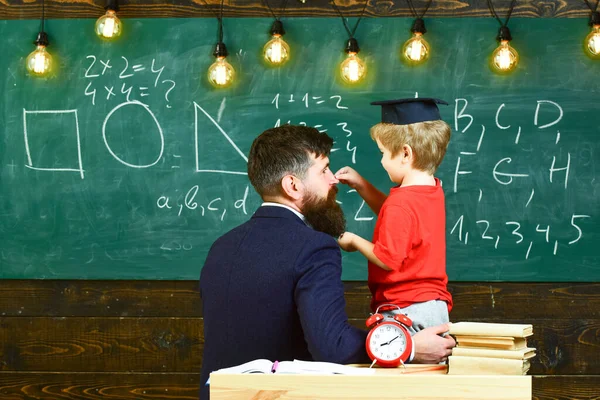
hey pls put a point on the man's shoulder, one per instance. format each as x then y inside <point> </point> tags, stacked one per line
<point>281,224</point>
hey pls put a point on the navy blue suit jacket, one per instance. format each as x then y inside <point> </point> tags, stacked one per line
<point>271,288</point>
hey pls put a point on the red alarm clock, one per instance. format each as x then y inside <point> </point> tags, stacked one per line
<point>389,343</point>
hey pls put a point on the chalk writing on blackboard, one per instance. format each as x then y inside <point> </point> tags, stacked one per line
<point>103,67</point>
<point>48,114</point>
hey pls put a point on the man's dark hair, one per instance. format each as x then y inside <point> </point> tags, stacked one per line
<point>282,151</point>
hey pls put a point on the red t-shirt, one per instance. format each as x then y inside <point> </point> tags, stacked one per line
<point>410,238</point>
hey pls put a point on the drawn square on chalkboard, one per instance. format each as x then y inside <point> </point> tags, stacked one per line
<point>52,141</point>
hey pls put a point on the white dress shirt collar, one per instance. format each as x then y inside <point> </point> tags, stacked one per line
<point>271,204</point>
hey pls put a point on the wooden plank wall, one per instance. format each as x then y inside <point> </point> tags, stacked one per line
<point>69,339</point>
<point>31,9</point>
<point>143,339</point>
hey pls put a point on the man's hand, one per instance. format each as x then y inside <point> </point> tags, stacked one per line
<point>430,347</point>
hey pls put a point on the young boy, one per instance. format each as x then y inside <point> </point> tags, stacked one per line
<point>407,258</point>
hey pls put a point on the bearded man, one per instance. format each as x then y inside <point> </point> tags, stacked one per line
<point>271,288</point>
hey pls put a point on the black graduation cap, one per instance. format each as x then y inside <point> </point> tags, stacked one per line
<point>409,111</point>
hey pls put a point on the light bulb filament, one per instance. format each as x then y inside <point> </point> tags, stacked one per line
<point>415,50</point>
<point>592,42</point>
<point>504,58</point>
<point>221,74</point>
<point>109,25</point>
<point>276,51</point>
<point>39,62</point>
<point>353,70</point>
<point>595,43</point>
<point>109,28</point>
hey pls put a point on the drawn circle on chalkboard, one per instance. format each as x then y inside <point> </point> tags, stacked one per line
<point>160,132</point>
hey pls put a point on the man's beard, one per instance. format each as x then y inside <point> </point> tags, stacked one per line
<point>324,214</point>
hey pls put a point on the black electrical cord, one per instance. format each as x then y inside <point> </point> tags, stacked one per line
<point>350,33</point>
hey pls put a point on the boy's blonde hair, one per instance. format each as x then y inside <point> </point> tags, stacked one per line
<point>428,140</point>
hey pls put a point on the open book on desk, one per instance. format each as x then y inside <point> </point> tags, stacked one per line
<point>263,366</point>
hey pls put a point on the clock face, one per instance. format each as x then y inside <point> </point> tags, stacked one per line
<point>387,342</point>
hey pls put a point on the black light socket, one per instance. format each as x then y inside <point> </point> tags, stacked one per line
<point>594,18</point>
<point>504,34</point>
<point>277,28</point>
<point>352,46</point>
<point>220,50</point>
<point>42,39</point>
<point>418,26</point>
<point>112,5</point>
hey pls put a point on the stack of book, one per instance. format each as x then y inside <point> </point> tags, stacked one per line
<point>490,349</point>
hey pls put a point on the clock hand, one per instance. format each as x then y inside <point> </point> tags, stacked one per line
<point>388,342</point>
<point>393,339</point>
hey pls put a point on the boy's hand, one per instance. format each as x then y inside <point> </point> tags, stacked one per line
<point>349,177</point>
<point>346,241</point>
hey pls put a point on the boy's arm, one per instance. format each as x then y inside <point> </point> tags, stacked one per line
<point>351,242</point>
<point>370,194</point>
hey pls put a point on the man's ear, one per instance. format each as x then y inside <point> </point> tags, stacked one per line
<point>292,187</point>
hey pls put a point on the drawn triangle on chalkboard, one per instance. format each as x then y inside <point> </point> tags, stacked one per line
<point>234,148</point>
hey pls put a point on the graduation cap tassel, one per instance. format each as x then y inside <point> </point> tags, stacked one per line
<point>353,68</point>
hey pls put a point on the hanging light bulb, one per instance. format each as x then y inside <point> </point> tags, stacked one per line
<point>505,58</point>
<point>276,51</point>
<point>221,73</point>
<point>592,41</point>
<point>416,49</point>
<point>109,26</point>
<point>39,62</point>
<point>353,69</point>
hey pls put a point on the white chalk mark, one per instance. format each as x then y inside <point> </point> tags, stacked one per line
<point>518,136</point>
<point>528,250</point>
<point>537,110</point>
<point>481,137</point>
<point>357,218</point>
<point>28,152</point>
<point>221,109</point>
<point>160,133</point>
<point>236,148</point>
<point>530,197</point>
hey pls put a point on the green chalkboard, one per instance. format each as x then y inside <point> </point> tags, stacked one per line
<point>128,165</point>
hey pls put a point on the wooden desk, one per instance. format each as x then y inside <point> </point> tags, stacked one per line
<point>414,382</point>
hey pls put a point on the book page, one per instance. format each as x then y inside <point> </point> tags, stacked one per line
<point>491,329</point>
<point>524,353</point>
<point>320,367</point>
<point>260,366</point>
